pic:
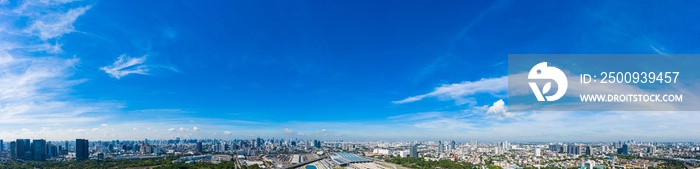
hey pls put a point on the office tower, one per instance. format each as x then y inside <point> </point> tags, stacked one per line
<point>589,150</point>
<point>624,150</point>
<point>199,147</point>
<point>81,149</point>
<point>538,152</point>
<point>440,147</point>
<point>39,149</point>
<point>19,149</point>
<point>13,150</point>
<point>553,147</point>
<point>317,143</point>
<point>505,145</point>
<point>453,145</point>
<point>414,151</point>
<point>53,151</point>
<point>259,142</point>
<point>651,150</point>
<point>26,149</point>
<point>573,149</point>
<point>2,148</point>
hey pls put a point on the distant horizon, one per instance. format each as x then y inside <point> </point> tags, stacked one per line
<point>324,70</point>
<point>310,139</point>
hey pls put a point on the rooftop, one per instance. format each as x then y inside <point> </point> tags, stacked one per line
<point>347,158</point>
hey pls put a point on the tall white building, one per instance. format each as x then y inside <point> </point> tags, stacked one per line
<point>538,152</point>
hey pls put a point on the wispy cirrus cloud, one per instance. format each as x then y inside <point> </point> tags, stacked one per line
<point>56,24</point>
<point>125,65</point>
<point>34,88</point>
<point>459,91</point>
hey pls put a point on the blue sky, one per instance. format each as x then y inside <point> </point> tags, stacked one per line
<point>353,70</point>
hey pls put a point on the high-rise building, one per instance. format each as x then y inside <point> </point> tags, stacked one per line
<point>81,149</point>
<point>53,151</point>
<point>589,150</point>
<point>317,143</point>
<point>259,142</point>
<point>563,148</point>
<point>651,149</point>
<point>453,145</point>
<point>414,151</point>
<point>13,150</point>
<point>2,148</point>
<point>624,150</point>
<point>199,147</point>
<point>26,149</point>
<point>538,152</point>
<point>573,149</point>
<point>39,149</point>
<point>23,150</point>
<point>440,147</point>
<point>505,145</point>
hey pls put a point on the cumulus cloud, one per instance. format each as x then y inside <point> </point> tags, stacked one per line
<point>195,128</point>
<point>125,65</point>
<point>104,125</point>
<point>459,91</point>
<point>499,108</point>
<point>227,133</point>
<point>171,129</point>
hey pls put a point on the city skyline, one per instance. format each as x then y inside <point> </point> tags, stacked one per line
<point>112,70</point>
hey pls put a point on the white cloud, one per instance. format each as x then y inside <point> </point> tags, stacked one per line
<point>227,133</point>
<point>499,108</point>
<point>104,125</point>
<point>134,129</point>
<point>35,90</point>
<point>171,129</point>
<point>459,91</point>
<point>288,131</point>
<point>125,65</point>
<point>53,25</point>
<point>195,128</point>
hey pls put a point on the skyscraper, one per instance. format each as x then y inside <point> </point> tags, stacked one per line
<point>27,149</point>
<point>624,150</point>
<point>199,147</point>
<point>538,152</point>
<point>2,147</point>
<point>317,143</point>
<point>23,150</point>
<point>589,150</point>
<point>39,149</point>
<point>13,150</point>
<point>453,145</point>
<point>414,151</point>
<point>573,149</point>
<point>81,149</point>
<point>53,151</point>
